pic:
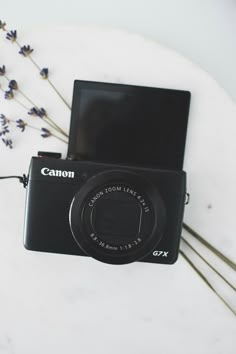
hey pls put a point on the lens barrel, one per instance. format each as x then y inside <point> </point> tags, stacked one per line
<point>117,217</point>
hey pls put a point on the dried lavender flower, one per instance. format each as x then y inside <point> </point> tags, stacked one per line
<point>9,95</point>
<point>21,124</point>
<point>26,50</point>
<point>7,142</point>
<point>11,36</point>
<point>42,113</point>
<point>4,130</point>
<point>13,85</point>
<point>38,112</point>
<point>3,25</point>
<point>2,70</point>
<point>3,120</point>
<point>45,133</point>
<point>33,112</point>
<point>44,73</point>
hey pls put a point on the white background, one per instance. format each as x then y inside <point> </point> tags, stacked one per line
<point>59,304</point>
<point>202,30</point>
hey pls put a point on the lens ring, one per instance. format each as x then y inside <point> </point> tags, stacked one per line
<point>117,217</point>
<point>154,217</point>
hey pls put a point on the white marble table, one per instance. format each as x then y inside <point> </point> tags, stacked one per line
<point>57,304</point>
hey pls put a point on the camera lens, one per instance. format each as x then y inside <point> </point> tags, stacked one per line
<point>117,217</point>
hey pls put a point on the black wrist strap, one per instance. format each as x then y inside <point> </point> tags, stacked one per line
<point>22,179</point>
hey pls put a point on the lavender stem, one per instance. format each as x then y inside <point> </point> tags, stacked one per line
<point>38,129</point>
<point>49,81</point>
<point>209,265</point>
<point>20,103</point>
<point>206,281</point>
<point>54,88</point>
<point>59,129</point>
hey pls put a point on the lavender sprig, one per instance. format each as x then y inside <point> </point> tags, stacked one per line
<point>213,249</point>
<point>21,124</point>
<point>3,120</point>
<point>44,73</point>
<point>4,130</point>
<point>37,112</point>
<point>2,70</point>
<point>8,142</point>
<point>207,282</point>
<point>26,51</point>
<point>3,25</point>
<point>13,85</point>
<point>11,36</point>
<point>45,133</point>
<point>9,95</point>
<point>41,113</point>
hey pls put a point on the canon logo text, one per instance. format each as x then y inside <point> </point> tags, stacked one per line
<point>57,173</point>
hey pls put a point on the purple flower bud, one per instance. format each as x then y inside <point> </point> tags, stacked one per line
<point>7,142</point>
<point>44,73</point>
<point>42,113</point>
<point>13,85</point>
<point>45,133</point>
<point>11,36</point>
<point>4,130</point>
<point>26,50</point>
<point>38,112</point>
<point>33,112</point>
<point>21,124</point>
<point>2,70</point>
<point>3,25</point>
<point>3,119</point>
<point>9,95</point>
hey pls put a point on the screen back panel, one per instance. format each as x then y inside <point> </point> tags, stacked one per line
<point>128,124</point>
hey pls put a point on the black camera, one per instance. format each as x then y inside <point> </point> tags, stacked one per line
<point>119,196</point>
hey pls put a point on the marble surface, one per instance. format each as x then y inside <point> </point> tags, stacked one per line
<point>53,303</point>
<point>204,31</point>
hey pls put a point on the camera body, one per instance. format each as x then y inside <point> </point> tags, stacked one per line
<point>119,196</point>
<point>115,213</point>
